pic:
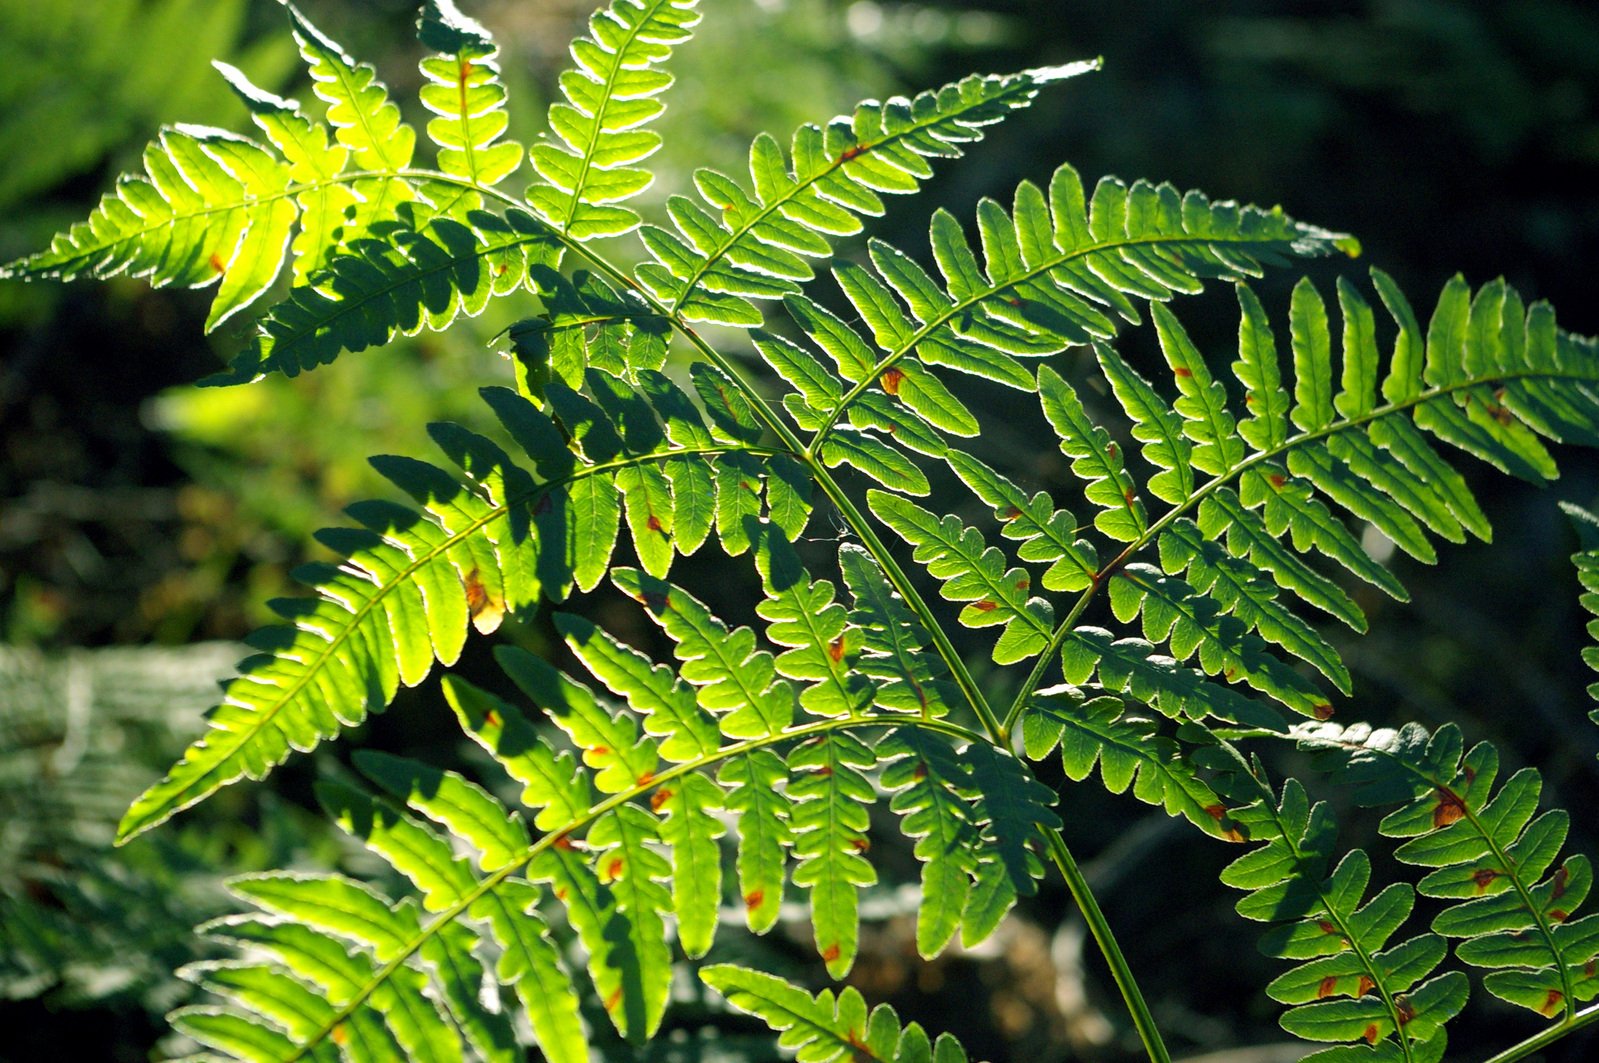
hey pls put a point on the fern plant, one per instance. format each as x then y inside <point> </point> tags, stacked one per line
<point>1201,503</point>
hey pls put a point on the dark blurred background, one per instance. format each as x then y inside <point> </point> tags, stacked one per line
<point>140,516</point>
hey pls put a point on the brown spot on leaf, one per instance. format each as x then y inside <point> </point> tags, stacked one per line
<point>659,798</point>
<point>854,153</point>
<point>560,893</point>
<point>1484,877</point>
<point>614,999</point>
<point>491,718</point>
<point>831,953</point>
<point>216,263</point>
<point>654,524</point>
<point>1371,1034</point>
<point>339,1034</point>
<point>1250,400</point>
<point>599,751</point>
<point>562,841</point>
<point>1130,496</point>
<point>1182,372</point>
<point>1404,1009</point>
<point>1277,480</point>
<point>1559,915</point>
<point>1010,513</point>
<point>1590,968</point>
<point>1322,711</point>
<point>825,769</point>
<point>1326,927</point>
<point>1450,809</point>
<point>1552,1002</point>
<point>985,605</point>
<point>753,898</point>
<point>1229,829</point>
<point>1023,584</point>
<point>835,649</point>
<point>892,378</point>
<point>1560,878</point>
<point>1366,985</point>
<point>919,772</point>
<point>478,599</point>
<point>1327,988</point>
<point>645,779</point>
<point>1110,448</point>
<point>614,868</point>
<point>860,845</point>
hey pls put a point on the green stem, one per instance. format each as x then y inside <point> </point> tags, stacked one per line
<point>1547,1036</point>
<point>1056,640</point>
<point>1099,926</point>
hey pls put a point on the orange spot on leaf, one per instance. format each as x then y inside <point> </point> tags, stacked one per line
<point>985,605</point>
<point>1277,480</point>
<point>614,868</point>
<point>1366,986</point>
<point>1323,711</point>
<point>1180,371</point>
<point>1326,927</point>
<point>919,772</point>
<point>654,523</point>
<point>1327,988</point>
<point>339,1034</point>
<point>1552,1002</point>
<point>216,263</point>
<point>854,153</point>
<point>659,798</point>
<point>831,953</point>
<point>860,845</point>
<point>1484,877</point>
<point>1405,1009</point>
<point>491,718</point>
<point>892,378</point>
<point>1559,915</point>
<point>1559,879</point>
<point>1219,814</point>
<point>599,751</point>
<point>562,841</point>
<point>1371,1034</point>
<point>1023,584</point>
<point>614,999</point>
<point>645,779</point>
<point>1010,513</point>
<point>478,599</point>
<point>1450,809</point>
<point>835,649</point>
<point>753,898</point>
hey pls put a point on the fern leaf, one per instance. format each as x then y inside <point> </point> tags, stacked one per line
<point>1489,850</point>
<point>1013,808</point>
<point>364,119</point>
<point>588,167</point>
<point>263,990</point>
<point>975,573</point>
<point>765,832</point>
<point>893,642</point>
<point>753,241</point>
<point>1128,752</point>
<point>1046,534</point>
<point>1355,987</point>
<point>210,206</point>
<point>823,651</point>
<point>1132,667</point>
<point>821,1029</point>
<point>829,820</point>
<point>464,89</point>
<point>929,782</point>
<point>1159,429</point>
<point>1193,624</point>
<point>1587,562</point>
<point>621,845</point>
<point>1095,460</point>
<point>410,272</point>
<point>732,679</point>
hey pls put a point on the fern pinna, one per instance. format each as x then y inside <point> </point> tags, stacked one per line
<point>1202,505</point>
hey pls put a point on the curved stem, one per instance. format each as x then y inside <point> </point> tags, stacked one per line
<point>1547,1036</point>
<point>1099,926</point>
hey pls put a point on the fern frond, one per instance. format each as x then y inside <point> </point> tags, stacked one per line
<point>414,271</point>
<point>975,573</point>
<point>465,91</point>
<point>211,206</point>
<point>490,539</point>
<point>930,784</point>
<point>753,244</point>
<point>1356,987</point>
<point>1587,563</point>
<point>893,642</point>
<point>1128,752</point>
<point>829,817</point>
<point>822,1029</point>
<point>1489,851</point>
<point>610,95</point>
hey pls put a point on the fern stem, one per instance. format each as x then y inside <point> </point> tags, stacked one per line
<point>1056,639</point>
<point>1548,1036</point>
<point>492,881</point>
<point>1099,926</point>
